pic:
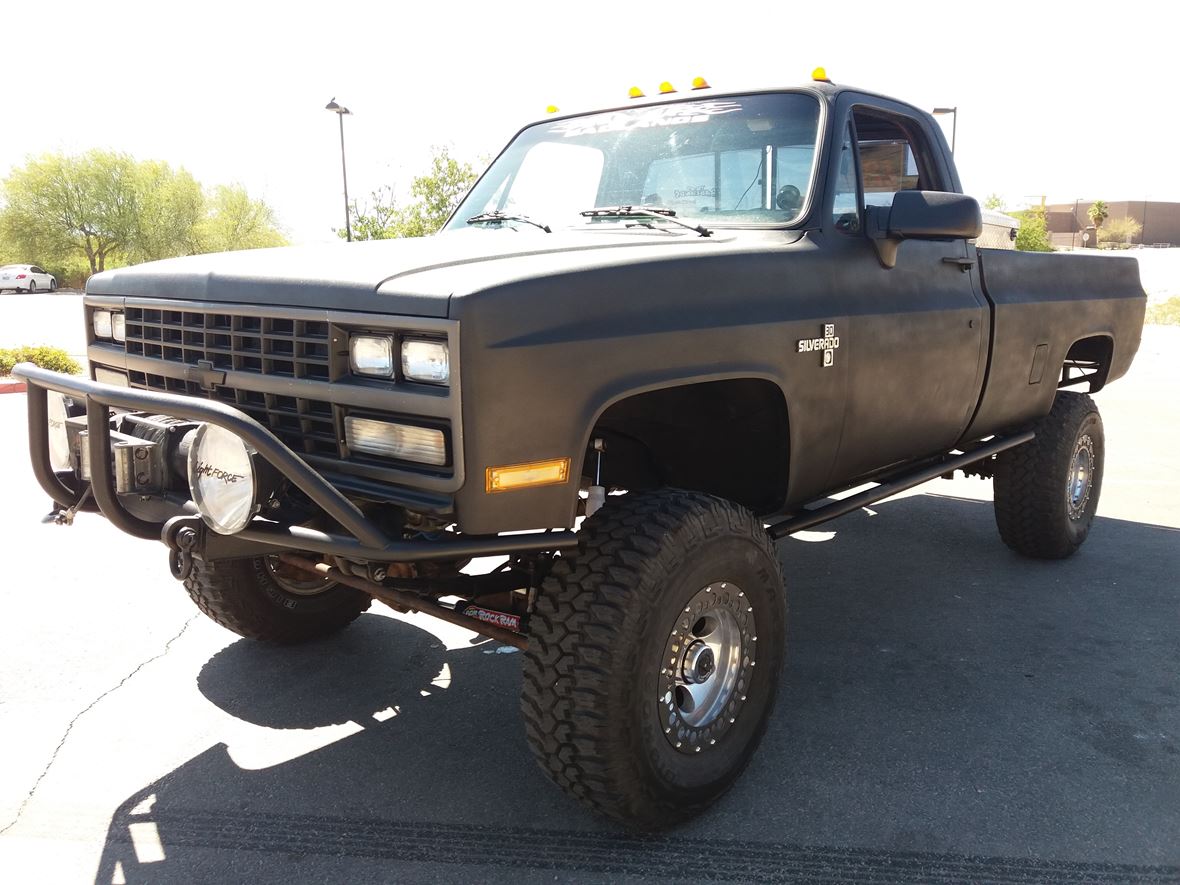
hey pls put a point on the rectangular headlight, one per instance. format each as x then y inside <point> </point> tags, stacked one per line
<point>102,324</point>
<point>425,445</point>
<point>427,361</point>
<point>119,327</point>
<point>371,355</point>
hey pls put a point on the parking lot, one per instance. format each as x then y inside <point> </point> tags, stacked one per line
<point>950,711</point>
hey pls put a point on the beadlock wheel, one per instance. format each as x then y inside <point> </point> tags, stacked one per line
<point>640,694</point>
<point>709,656</point>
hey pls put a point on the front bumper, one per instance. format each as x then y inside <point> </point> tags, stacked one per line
<point>361,539</point>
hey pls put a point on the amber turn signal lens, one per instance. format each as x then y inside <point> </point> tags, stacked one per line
<point>699,83</point>
<point>635,92</point>
<point>666,87</point>
<point>523,476</point>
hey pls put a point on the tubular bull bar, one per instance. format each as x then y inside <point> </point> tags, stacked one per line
<point>364,540</point>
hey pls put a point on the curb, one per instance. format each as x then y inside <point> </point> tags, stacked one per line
<point>13,387</point>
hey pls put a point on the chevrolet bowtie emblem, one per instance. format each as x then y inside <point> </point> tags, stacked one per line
<point>204,375</point>
<point>827,345</point>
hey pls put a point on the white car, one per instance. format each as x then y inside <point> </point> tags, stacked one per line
<point>26,278</point>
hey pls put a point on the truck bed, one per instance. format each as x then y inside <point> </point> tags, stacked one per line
<point>1047,307</point>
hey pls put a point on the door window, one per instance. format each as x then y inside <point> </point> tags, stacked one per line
<point>893,157</point>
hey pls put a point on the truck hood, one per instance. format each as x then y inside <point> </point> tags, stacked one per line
<point>415,277</point>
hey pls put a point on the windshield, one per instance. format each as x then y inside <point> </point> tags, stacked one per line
<point>707,160</point>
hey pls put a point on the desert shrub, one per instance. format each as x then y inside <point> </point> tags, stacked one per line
<point>53,358</point>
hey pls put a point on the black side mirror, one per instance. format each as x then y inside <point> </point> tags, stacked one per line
<point>922,215</point>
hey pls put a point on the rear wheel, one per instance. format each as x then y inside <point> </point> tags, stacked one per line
<point>32,287</point>
<point>1046,491</point>
<point>654,656</point>
<point>259,598</point>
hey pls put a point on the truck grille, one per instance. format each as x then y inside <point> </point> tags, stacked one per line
<point>266,345</point>
<point>282,347</point>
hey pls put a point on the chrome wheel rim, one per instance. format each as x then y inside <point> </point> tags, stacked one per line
<point>706,667</point>
<point>1081,473</point>
<point>294,581</point>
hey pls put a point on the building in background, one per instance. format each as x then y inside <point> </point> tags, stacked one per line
<point>1067,222</point>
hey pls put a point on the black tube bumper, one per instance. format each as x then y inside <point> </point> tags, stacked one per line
<point>362,539</point>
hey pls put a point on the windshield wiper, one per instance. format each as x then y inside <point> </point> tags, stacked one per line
<point>483,217</point>
<point>644,212</point>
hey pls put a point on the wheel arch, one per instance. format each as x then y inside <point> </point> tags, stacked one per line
<point>1094,352</point>
<point>699,432</point>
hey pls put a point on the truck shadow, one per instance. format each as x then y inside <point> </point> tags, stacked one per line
<point>946,704</point>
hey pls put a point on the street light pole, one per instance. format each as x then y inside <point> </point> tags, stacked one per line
<point>954,112</point>
<point>340,111</point>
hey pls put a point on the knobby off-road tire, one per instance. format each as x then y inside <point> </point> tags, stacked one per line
<point>619,624</point>
<point>1046,491</point>
<point>249,598</point>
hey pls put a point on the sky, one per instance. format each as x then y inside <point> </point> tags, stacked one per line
<point>1055,99</point>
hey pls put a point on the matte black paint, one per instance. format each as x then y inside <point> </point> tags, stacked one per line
<point>556,328</point>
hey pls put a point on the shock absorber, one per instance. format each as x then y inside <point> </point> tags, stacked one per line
<point>596,494</point>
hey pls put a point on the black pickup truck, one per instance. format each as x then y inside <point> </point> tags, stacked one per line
<point>651,341</point>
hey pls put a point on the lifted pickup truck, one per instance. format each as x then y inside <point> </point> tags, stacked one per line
<point>692,321</point>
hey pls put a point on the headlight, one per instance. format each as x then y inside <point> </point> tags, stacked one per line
<point>102,324</point>
<point>119,327</point>
<point>222,479</point>
<point>371,355</point>
<point>427,361</point>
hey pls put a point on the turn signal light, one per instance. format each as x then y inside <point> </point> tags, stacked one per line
<point>523,476</point>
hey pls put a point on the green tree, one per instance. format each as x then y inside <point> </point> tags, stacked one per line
<point>1098,213</point>
<point>1033,235</point>
<point>169,205</point>
<point>435,193</point>
<point>994,201</point>
<point>79,215</point>
<point>58,205</point>
<point>375,220</point>
<point>236,221</point>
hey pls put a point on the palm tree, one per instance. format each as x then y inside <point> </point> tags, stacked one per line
<point>1098,213</point>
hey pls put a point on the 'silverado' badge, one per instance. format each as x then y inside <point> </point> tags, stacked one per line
<point>827,345</point>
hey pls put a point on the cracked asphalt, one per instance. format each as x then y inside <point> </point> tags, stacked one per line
<point>950,712</point>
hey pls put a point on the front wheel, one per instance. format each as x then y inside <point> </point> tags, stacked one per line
<point>1046,491</point>
<point>260,598</point>
<point>654,656</point>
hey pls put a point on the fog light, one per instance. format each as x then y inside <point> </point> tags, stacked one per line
<point>222,479</point>
<point>110,376</point>
<point>423,444</point>
<point>59,438</point>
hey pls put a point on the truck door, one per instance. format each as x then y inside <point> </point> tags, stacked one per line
<point>913,336</point>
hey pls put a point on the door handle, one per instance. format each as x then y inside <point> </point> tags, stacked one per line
<point>965,264</point>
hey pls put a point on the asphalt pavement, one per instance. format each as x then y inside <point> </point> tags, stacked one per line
<point>950,712</point>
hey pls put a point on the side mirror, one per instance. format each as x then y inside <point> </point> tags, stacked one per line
<point>922,215</point>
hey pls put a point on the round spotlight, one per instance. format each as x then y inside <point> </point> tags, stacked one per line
<point>222,479</point>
